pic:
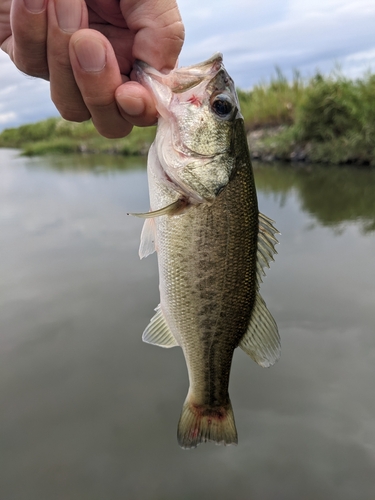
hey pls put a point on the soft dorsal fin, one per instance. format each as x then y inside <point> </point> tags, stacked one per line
<point>266,245</point>
<point>158,331</point>
<point>148,235</point>
<point>261,340</point>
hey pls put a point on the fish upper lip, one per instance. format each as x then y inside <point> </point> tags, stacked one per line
<point>194,74</point>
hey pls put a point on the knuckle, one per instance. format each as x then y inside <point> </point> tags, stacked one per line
<point>73,115</point>
<point>113,131</point>
<point>113,134</point>
<point>32,67</point>
<point>68,101</point>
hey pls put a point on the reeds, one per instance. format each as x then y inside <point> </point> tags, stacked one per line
<point>331,118</point>
<point>325,118</point>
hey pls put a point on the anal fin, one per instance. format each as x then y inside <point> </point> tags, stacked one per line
<point>158,331</point>
<point>261,340</point>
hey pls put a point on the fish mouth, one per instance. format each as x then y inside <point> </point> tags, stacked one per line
<point>180,80</point>
<point>164,85</point>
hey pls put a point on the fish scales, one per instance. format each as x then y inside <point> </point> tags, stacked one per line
<point>204,225</point>
<point>211,288</point>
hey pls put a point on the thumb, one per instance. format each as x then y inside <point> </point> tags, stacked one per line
<point>7,46</point>
<point>159,31</point>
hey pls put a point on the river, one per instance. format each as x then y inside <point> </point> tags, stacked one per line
<point>89,412</point>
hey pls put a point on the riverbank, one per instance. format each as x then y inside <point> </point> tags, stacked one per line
<point>58,136</point>
<point>325,119</point>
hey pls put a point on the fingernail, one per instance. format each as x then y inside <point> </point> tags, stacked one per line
<point>69,15</point>
<point>35,6</point>
<point>134,106</point>
<point>90,54</point>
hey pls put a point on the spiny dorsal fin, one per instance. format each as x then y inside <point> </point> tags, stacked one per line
<point>261,340</point>
<point>158,332</point>
<point>266,245</point>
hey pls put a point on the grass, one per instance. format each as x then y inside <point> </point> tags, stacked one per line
<point>325,119</point>
<point>273,103</point>
<point>56,135</point>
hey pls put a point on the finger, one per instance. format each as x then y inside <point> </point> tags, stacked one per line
<point>98,76</point>
<point>136,104</point>
<point>27,46</point>
<point>122,42</point>
<point>65,17</point>
<point>159,32</point>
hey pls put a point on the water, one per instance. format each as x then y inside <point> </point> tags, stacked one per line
<point>90,412</point>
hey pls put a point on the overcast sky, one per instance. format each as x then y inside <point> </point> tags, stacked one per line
<point>254,36</point>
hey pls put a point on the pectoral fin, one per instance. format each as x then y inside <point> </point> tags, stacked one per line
<point>173,209</point>
<point>261,341</point>
<point>158,331</point>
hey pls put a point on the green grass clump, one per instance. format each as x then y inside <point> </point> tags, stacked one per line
<point>332,119</point>
<point>60,145</point>
<point>272,104</point>
<point>330,107</point>
<point>336,117</point>
<point>58,136</point>
<point>17,137</point>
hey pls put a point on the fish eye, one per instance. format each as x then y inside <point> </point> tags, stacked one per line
<point>222,106</point>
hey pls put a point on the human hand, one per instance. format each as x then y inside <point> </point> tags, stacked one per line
<point>87,49</point>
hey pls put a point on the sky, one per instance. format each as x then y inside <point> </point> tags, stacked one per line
<point>255,36</point>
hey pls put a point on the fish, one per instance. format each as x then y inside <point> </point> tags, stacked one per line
<point>212,243</point>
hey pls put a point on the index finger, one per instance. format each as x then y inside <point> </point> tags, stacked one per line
<point>27,48</point>
<point>159,31</point>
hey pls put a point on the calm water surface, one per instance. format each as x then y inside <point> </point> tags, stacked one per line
<point>89,412</point>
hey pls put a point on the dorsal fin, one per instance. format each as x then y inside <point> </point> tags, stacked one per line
<point>261,340</point>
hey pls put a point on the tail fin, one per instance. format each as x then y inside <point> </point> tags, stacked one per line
<point>199,424</point>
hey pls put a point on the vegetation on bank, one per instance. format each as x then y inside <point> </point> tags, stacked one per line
<point>329,119</point>
<point>326,119</point>
<point>56,135</point>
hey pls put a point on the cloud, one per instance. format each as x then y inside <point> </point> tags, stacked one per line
<point>23,99</point>
<point>8,117</point>
<point>367,55</point>
<point>304,35</point>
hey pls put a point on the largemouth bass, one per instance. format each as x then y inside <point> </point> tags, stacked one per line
<point>212,243</point>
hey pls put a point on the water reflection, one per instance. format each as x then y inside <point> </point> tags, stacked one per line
<point>90,412</point>
<point>93,163</point>
<point>334,195</point>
